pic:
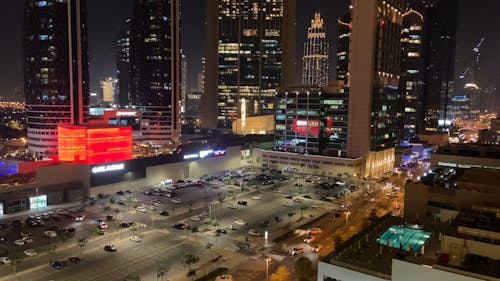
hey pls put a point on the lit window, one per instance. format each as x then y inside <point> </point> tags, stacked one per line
<point>41,3</point>
<point>43,37</point>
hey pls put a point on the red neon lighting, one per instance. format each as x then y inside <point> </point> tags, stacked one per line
<point>94,145</point>
<point>305,127</point>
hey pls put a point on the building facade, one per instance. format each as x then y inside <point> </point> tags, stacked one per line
<point>315,59</point>
<point>312,120</point>
<point>375,119</point>
<point>412,71</point>
<point>440,32</point>
<point>155,64</point>
<point>249,55</point>
<point>55,69</point>
<point>108,91</point>
<point>343,39</point>
<point>123,64</point>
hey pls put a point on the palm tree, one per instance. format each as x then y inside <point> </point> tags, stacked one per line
<point>302,209</point>
<point>162,271</point>
<point>82,242</point>
<point>187,261</point>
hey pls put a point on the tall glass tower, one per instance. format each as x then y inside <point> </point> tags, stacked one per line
<point>315,59</point>
<point>155,69</point>
<point>248,56</point>
<point>55,69</point>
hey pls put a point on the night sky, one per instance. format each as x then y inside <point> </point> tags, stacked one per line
<point>478,18</point>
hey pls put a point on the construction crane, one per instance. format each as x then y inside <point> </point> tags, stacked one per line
<point>474,66</point>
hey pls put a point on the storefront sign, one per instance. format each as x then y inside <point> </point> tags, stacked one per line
<point>205,153</point>
<point>108,168</point>
<point>38,202</point>
<point>126,113</point>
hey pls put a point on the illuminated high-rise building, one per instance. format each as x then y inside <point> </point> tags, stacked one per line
<point>55,69</point>
<point>440,33</point>
<point>343,39</point>
<point>155,64</point>
<point>412,74</point>
<point>375,119</point>
<point>184,90</point>
<point>315,59</point>
<point>123,64</point>
<point>250,52</point>
<point>108,88</point>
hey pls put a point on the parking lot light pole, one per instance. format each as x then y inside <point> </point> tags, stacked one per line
<point>267,268</point>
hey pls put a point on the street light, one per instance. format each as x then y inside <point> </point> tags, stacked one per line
<point>267,267</point>
<point>347,220</point>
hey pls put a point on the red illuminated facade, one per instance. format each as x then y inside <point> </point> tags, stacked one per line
<point>94,144</point>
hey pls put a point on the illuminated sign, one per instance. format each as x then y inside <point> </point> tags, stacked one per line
<point>205,153</point>
<point>306,127</point>
<point>38,202</point>
<point>126,113</point>
<point>166,182</point>
<point>108,168</point>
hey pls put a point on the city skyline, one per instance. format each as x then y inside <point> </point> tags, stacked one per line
<point>104,19</point>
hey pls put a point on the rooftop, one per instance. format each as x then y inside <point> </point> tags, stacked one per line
<point>471,150</point>
<point>481,179</point>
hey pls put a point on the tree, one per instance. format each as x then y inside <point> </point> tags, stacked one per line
<point>281,274</point>
<point>132,277</point>
<point>302,209</point>
<point>209,247</point>
<point>187,261</point>
<point>82,242</point>
<point>195,230</point>
<point>162,271</point>
<point>304,269</point>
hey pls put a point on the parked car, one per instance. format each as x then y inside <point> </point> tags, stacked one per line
<point>74,259</point>
<point>253,232</point>
<point>5,260</point>
<point>242,202</point>
<point>224,277</point>
<point>50,234</point>
<point>127,224</point>
<point>180,226</point>
<point>176,200</point>
<point>110,248</point>
<point>309,239</point>
<point>221,231</point>
<point>30,253</point>
<point>56,264</point>
<point>136,238</point>
<point>278,219</point>
<point>163,213</point>
<point>297,251</point>
<point>315,230</point>
<point>80,218</point>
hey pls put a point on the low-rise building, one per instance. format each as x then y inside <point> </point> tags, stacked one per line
<point>467,156</point>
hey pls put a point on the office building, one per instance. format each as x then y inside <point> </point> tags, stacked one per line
<point>55,70</point>
<point>123,64</point>
<point>155,69</point>
<point>440,32</point>
<point>184,89</point>
<point>459,106</point>
<point>375,119</point>
<point>250,52</point>
<point>412,72</point>
<point>312,120</point>
<point>108,91</point>
<point>315,59</point>
<point>343,39</point>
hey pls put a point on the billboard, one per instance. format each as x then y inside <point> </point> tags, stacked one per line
<point>306,127</point>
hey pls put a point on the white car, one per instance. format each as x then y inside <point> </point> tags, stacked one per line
<point>240,222</point>
<point>256,197</point>
<point>314,206</point>
<point>309,239</point>
<point>30,253</point>
<point>136,238</point>
<point>288,204</point>
<point>103,225</point>
<point>195,218</point>
<point>176,200</point>
<point>224,277</point>
<point>19,242</point>
<point>314,230</point>
<point>50,234</point>
<point>253,232</point>
<point>141,209</point>
<point>80,218</point>
<point>5,260</point>
<point>298,200</point>
<point>317,248</point>
<point>27,240</point>
<point>230,227</point>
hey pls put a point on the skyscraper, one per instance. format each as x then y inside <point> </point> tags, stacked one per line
<point>374,67</point>
<point>440,33</point>
<point>250,52</point>
<point>55,69</point>
<point>123,64</point>
<point>412,73</point>
<point>108,89</point>
<point>315,59</point>
<point>155,69</point>
<point>184,90</point>
<point>343,39</point>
